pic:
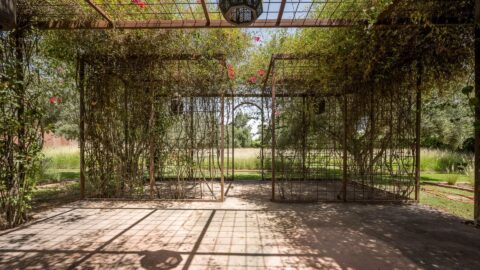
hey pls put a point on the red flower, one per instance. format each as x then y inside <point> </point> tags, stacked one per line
<point>139,3</point>
<point>258,38</point>
<point>53,100</point>
<point>252,79</point>
<point>261,72</point>
<point>231,72</point>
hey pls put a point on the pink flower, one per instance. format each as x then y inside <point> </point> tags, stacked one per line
<point>261,72</point>
<point>257,38</point>
<point>139,3</point>
<point>252,79</point>
<point>53,100</point>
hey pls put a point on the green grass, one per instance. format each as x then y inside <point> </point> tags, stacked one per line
<point>60,163</point>
<point>62,158</point>
<point>443,161</point>
<point>458,208</point>
<point>58,175</point>
<point>442,177</point>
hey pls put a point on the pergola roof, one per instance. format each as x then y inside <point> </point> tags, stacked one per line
<point>297,74</point>
<point>128,14</point>
<point>186,74</point>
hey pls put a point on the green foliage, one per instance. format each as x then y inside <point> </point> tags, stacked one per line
<point>452,179</point>
<point>447,120</point>
<point>21,114</point>
<point>444,161</point>
<point>242,132</point>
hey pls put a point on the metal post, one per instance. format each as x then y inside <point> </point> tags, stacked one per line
<point>476,215</point>
<point>233,136</point>
<point>192,140</point>
<point>418,119</point>
<point>345,152</point>
<point>304,140</point>
<point>222,147</point>
<point>81,87</point>
<point>273,136</point>
<point>262,140</point>
<point>152,145</point>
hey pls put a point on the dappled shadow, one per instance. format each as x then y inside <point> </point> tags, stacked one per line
<point>161,259</point>
<point>246,231</point>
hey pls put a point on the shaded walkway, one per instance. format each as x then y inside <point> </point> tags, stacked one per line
<point>245,232</point>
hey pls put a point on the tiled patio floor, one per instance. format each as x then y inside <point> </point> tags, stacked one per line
<point>245,232</point>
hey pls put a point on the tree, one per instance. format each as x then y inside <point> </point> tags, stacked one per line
<point>243,136</point>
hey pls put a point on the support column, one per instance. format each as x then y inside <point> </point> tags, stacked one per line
<point>81,87</point>
<point>273,136</point>
<point>233,136</point>
<point>192,140</point>
<point>418,121</point>
<point>262,140</point>
<point>345,152</point>
<point>304,140</point>
<point>222,147</point>
<point>152,145</point>
<point>477,114</point>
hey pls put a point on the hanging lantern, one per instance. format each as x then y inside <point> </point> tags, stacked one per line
<point>8,15</point>
<point>241,12</point>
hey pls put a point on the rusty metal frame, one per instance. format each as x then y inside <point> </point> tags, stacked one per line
<point>348,184</point>
<point>205,14</point>
<point>84,60</point>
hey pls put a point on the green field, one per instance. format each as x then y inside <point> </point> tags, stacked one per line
<point>62,164</point>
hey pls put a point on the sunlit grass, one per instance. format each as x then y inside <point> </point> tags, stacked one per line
<point>444,161</point>
<point>442,202</point>
<point>65,157</point>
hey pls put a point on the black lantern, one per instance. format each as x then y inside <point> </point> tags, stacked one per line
<point>241,12</point>
<point>7,15</point>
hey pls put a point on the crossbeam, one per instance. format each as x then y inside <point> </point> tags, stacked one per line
<point>172,24</point>
<point>101,12</point>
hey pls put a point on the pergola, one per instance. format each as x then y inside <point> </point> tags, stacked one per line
<point>127,14</point>
<point>165,14</point>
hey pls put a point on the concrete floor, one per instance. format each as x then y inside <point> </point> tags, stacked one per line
<point>245,232</point>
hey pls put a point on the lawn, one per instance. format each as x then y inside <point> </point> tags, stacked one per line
<point>443,177</point>
<point>449,200</point>
<point>62,166</point>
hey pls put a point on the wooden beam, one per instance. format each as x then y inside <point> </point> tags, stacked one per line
<point>168,24</point>
<point>101,12</point>
<point>205,12</point>
<point>280,12</point>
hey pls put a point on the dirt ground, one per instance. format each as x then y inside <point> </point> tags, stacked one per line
<point>247,231</point>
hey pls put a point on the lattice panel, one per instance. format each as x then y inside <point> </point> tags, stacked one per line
<point>149,134</point>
